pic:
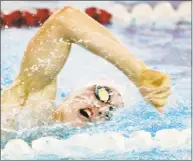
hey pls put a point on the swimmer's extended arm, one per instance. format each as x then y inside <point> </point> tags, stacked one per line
<point>49,49</point>
<point>83,30</point>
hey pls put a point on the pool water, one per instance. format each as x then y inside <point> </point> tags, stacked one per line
<point>136,132</point>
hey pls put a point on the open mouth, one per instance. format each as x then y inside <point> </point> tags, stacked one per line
<point>86,112</point>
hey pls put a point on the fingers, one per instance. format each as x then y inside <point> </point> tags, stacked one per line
<point>159,95</point>
<point>149,90</point>
<point>156,87</point>
<point>163,95</point>
<point>158,102</point>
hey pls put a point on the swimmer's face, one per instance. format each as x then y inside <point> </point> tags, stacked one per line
<point>90,105</point>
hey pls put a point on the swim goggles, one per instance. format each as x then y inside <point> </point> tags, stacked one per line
<point>102,93</point>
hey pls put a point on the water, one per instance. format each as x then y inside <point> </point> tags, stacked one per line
<point>136,132</point>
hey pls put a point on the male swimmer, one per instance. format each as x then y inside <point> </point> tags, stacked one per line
<point>31,96</point>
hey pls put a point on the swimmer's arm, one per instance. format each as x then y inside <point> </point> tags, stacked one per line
<point>49,49</point>
<point>83,30</point>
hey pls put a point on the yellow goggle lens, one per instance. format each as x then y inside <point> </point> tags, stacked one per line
<point>103,94</point>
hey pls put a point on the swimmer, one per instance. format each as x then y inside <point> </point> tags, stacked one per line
<point>31,96</point>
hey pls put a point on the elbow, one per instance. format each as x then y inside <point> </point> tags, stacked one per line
<point>66,13</point>
<point>69,9</point>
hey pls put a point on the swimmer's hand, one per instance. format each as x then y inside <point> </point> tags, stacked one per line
<point>155,88</point>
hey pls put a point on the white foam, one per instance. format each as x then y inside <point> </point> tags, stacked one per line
<point>47,145</point>
<point>16,149</point>
<point>140,141</point>
<point>81,145</point>
<point>172,139</point>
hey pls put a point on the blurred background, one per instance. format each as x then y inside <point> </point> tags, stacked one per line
<point>121,12</point>
<point>78,4</point>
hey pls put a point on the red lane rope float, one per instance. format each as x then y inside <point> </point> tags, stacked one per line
<point>30,19</point>
<point>42,15</point>
<point>99,15</point>
<point>25,18</point>
<point>14,19</point>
